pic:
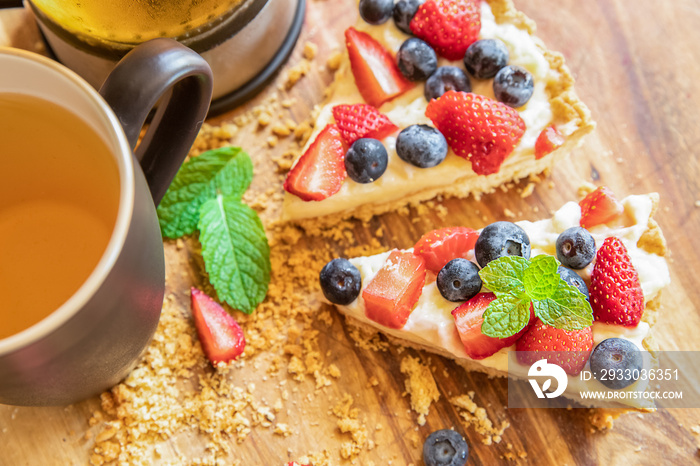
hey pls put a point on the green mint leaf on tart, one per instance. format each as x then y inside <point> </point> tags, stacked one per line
<point>235,251</point>
<point>505,275</point>
<point>565,309</point>
<point>518,282</point>
<point>506,316</point>
<point>541,278</point>
<point>228,171</point>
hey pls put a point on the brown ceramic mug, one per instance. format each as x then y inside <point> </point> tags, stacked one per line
<point>96,336</point>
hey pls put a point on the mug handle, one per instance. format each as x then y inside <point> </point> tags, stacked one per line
<point>179,80</point>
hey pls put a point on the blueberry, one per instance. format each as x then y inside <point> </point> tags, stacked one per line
<point>513,85</point>
<point>376,11</point>
<point>417,59</point>
<point>485,57</point>
<point>459,280</point>
<point>366,160</point>
<point>616,363</point>
<point>446,78</point>
<point>575,248</point>
<point>340,281</point>
<point>445,448</point>
<point>421,145</point>
<point>404,11</point>
<point>501,239</point>
<point>572,278</point>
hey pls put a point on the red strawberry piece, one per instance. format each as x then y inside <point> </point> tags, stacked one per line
<point>362,121</point>
<point>468,319</point>
<point>438,247</point>
<point>569,349</point>
<point>450,26</point>
<point>615,293</point>
<point>549,139</point>
<point>221,338</point>
<point>599,207</point>
<point>394,291</point>
<point>477,128</point>
<point>376,74</point>
<point>320,172</point>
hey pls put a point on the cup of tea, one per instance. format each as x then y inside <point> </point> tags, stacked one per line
<point>82,273</point>
<point>244,41</point>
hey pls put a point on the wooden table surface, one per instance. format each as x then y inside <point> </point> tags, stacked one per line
<point>635,65</point>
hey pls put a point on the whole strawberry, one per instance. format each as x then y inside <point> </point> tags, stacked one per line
<point>450,26</point>
<point>569,349</point>
<point>616,295</point>
<point>362,121</point>
<point>477,128</point>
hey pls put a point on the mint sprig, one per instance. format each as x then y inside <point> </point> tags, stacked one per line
<point>206,195</point>
<point>228,170</point>
<point>235,251</point>
<point>519,283</point>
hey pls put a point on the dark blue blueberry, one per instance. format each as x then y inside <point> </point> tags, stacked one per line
<point>501,239</point>
<point>446,78</point>
<point>376,11</point>
<point>340,281</point>
<point>459,280</point>
<point>616,363</point>
<point>417,59</point>
<point>421,145</point>
<point>513,85</point>
<point>404,11</point>
<point>445,448</point>
<point>366,160</point>
<point>485,57</point>
<point>575,248</point>
<point>573,279</point>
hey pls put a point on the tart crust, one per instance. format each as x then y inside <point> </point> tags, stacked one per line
<point>652,241</point>
<point>567,109</point>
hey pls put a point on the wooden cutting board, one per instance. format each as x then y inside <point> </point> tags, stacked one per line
<point>635,64</point>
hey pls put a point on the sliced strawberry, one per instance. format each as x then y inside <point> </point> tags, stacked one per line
<point>376,74</point>
<point>320,172</point>
<point>477,128</point>
<point>450,26</point>
<point>438,247</point>
<point>221,338</point>
<point>616,295</point>
<point>362,121</point>
<point>568,349</point>
<point>394,291</point>
<point>549,139</point>
<point>599,207</point>
<point>468,319</point>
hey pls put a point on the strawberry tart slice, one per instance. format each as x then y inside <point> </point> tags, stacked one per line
<point>434,97</point>
<point>580,289</point>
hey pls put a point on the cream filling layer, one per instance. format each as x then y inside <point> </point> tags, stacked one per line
<point>402,179</point>
<point>431,323</point>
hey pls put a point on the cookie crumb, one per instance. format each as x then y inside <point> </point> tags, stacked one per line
<point>334,60</point>
<point>420,386</point>
<point>310,50</point>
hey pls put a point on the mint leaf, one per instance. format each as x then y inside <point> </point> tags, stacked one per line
<point>541,279</point>
<point>566,309</point>
<point>505,275</point>
<point>235,251</point>
<point>228,171</point>
<point>506,316</point>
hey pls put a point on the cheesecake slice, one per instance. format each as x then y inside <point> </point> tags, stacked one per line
<point>374,96</point>
<point>400,292</point>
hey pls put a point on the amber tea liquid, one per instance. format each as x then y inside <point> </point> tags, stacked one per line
<point>59,196</point>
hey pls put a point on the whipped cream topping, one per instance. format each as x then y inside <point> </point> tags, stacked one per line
<point>401,178</point>
<point>431,323</point>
